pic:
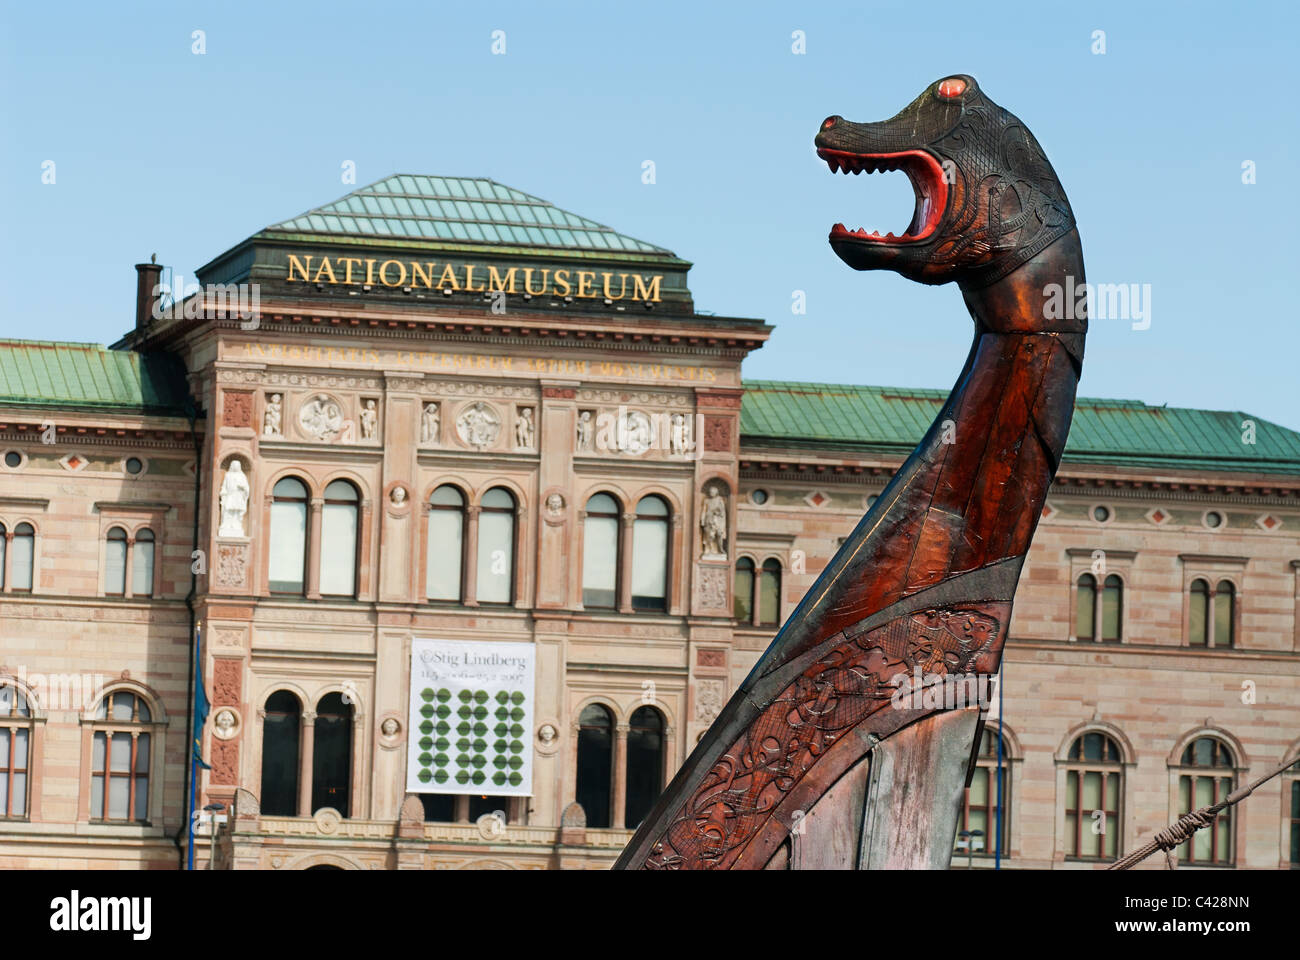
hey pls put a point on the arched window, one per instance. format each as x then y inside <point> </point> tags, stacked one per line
<point>600,556</point>
<point>444,559</point>
<point>338,540</point>
<point>495,582</point>
<point>1112,609</point>
<point>1093,788</point>
<point>769,593</point>
<point>24,548</point>
<point>332,754</point>
<point>142,561</point>
<point>1206,776</point>
<point>115,563</point>
<point>650,555</point>
<point>983,809</point>
<point>595,764</point>
<point>742,604</point>
<point>1291,803</point>
<point>288,542</point>
<point>1211,614</point>
<point>15,748</point>
<point>645,764</point>
<point>1198,614</point>
<point>120,762</point>
<point>1085,608</point>
<point>280,762</point>
<point>1225,598</point>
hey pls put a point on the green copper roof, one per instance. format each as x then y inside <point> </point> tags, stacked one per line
<point>39,373</point>
<point>459,209</point>
<point>887,419</point>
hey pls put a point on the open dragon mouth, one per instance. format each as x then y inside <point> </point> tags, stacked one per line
<point>928,184</point>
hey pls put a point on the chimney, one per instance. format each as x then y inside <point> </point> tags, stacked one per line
<point>147,277</point>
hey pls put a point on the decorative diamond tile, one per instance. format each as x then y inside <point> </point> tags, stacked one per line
<point>1048,511</point>
<point>817,499</point>
<point>1268,522</point>
<point>73,462</point>
<point>1157,515</point>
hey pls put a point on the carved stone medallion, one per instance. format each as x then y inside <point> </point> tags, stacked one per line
<point>478,425</point>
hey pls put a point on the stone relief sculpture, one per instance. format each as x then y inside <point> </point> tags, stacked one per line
<point>478,425</point>
<point>272,419</point>
<point>584,430</point>
<point>369,420</point>
<point>234,501</point>
<point>713,523</point>
<point>554,505</point>
<point>524,429</point>
<point>635,433</point>
<point>925,583</point>
<point>321,418</point>
<point>429,424</point>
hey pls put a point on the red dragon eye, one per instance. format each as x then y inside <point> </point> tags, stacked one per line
<point>952,87</point>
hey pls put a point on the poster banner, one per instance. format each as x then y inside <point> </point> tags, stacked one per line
<point>471,718</point>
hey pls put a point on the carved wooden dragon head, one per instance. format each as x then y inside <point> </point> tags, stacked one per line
<point>987,200</point>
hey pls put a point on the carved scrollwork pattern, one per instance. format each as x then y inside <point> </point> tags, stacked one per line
<point>843,688</point>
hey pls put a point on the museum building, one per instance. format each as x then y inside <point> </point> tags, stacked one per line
<point>480,526</point>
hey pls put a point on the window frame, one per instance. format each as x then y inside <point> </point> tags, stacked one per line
<point>108,727</point>
<point>666,521</point>
<point>1189,769</point>
<point>13,722</point>
<point>307,546</point>
<point>513,511</point>
<point>463,510</point>
<point>355,504</point>
<point>1078,767</point>
<point>986,760</point>
<point>619,573</point>
<point>17,534</point>
<point>610,726</point>
<point>124,540</point>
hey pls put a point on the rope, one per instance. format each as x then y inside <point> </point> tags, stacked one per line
<point>1182,829</point>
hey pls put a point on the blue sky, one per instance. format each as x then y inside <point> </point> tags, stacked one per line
<point>161,150</point>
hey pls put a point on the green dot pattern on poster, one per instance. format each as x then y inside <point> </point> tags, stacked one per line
<point>471,758</point>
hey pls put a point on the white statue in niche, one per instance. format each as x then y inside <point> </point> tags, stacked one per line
<point>369,419</point>
<point>429,424</point>
<point>272,420</point>
<point>679,435</point>
<point>234,501</point>
<point>713,523</point>
<point>524,428</point>
<point>584,430</point>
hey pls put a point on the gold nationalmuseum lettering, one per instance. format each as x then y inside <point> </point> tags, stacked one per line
<point>433,360</point>
<point>397,273</point>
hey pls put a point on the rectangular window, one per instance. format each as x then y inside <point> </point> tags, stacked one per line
<point>142,568</point>
<point>287,547</point>
<point>600,562</point>
<point>338,562</point>
<point>444,555</point>
<point>119,776</point>
<point>115,567</point>
<point>13,771</point>
<point>495,557</point>
<point>22,562</point>
<point>649,564</point>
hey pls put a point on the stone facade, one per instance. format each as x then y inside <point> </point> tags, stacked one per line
<point>399,398</point>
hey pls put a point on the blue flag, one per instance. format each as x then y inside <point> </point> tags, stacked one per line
<point>201,706</point>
